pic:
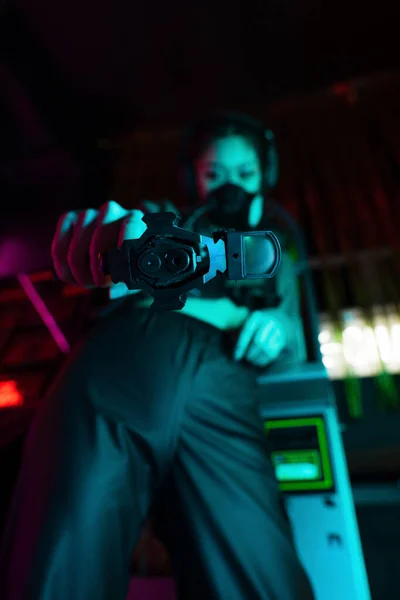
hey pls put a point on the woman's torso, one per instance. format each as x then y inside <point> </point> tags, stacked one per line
<point>223,303</point>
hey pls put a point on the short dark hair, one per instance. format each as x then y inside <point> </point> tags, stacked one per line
<point>219,126</point>
<point>206,135</point>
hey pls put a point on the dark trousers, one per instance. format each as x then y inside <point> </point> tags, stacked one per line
<point>150,414</point>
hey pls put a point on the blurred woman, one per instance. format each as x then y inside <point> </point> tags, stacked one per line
<point>159,414</point>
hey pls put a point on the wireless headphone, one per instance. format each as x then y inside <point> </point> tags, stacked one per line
<point>270,159</point>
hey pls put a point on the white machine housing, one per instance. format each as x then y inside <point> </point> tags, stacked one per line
<point>324,520</point>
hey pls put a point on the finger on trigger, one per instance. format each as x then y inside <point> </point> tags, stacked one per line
<point>78,255</point>
<point>111,211</point>
<point>60,245</point>
<point>133,227</point>
<point>105,237</point>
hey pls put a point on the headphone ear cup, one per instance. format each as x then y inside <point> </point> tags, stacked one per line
<point>272,172</point>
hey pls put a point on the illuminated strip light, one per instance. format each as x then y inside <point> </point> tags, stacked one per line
<point>44,313</point>
<point>360,348</point>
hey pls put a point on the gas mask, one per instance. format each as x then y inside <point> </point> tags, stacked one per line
<point>229,206</point>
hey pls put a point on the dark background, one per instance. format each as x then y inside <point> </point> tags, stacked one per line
<point>73,72</point>
<point>93,100</point>
<point>76,76</point>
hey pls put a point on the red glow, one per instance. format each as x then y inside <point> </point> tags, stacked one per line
<point>345,90</point>
<point>341,89</point>
<point>10,394</point>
